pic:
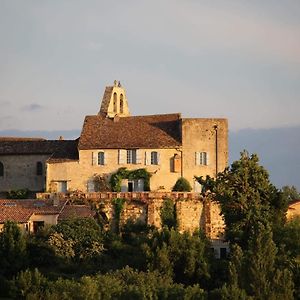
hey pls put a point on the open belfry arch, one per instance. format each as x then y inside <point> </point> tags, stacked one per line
<point>114,102</point>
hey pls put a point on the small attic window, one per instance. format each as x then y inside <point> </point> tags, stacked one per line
<point>115,103</point>
<point>121,104</point>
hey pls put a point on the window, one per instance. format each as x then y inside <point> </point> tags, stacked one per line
<point>131,156</point>
<point>201,158</point>
<point>39,168</point>
<point>121,104</point>
<point>38,225</point>
<point>154,158</point>
<point>115,103</point>
<point>62,186</point>
<point>1,169</point>
<point>101,158</point>
<point>98,158</point>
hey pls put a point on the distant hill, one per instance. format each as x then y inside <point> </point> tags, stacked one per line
<point>277,148</point>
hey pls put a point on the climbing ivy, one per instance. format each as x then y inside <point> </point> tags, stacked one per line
<point>168,214</point>
<point>123,173</point>
<point>118,206</point>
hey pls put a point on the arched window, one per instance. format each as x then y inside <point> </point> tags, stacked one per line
<point>121,104</point>
<point>115,103</point>
<point>101,158</point>
<point>39,168</point>
<point>1,169</point>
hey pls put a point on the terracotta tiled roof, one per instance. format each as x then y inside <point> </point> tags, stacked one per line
<point>16,214</point>
<point>20,210</point>
<point>81,211</point>
<point>57,149</point>
<point>157,131</point>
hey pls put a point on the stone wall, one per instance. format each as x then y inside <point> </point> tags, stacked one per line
<point>193,212</point>
<point>204,135</point>
<point>20,172</point>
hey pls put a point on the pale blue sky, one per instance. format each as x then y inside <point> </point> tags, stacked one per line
<point>236,59</point>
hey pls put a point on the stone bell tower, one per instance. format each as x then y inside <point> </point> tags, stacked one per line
<point>114,102</point>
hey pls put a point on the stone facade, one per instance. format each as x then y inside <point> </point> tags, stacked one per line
<point>20,172</point>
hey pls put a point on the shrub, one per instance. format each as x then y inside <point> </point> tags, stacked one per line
<point>18,194</point>
<point>182,185</point>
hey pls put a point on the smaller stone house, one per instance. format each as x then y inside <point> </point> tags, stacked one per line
<point>23,161</point>
<point>31,214</point>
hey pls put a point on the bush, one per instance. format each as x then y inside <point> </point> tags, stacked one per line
<point>168,214</point>
<point>18,194</point>
<point>182,185</point>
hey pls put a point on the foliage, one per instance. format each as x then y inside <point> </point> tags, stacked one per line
<point>78,238</point>
<point>123,173</point>
<point>118,207</point>
<point>62,247</point>
<point>13,254</point>
<point>101,183</point>
<point>28,285</point>
<point>254,270</point>
<point>168,214</point>
<point>184,257</point>
<point>290,193</point>
<point>18,194</point>
<point>288,240</point>
<point>182,185</point>
<point>246,197</point>
<point>121,284</point>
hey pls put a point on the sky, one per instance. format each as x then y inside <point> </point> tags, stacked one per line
<point>233,59</point>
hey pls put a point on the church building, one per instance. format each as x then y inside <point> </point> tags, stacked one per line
<point>168,146</point>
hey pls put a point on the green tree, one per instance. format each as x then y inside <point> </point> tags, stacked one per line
<point>80,238</point>
<point>182,256</point>
<point>290,193</point>
<point>288,240</point>
<point>246,196</point>
<point>13,253</point>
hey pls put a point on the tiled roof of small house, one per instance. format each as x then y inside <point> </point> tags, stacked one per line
<point>76,211</point>
<point>57,149</point>
<point>20,210</point>
<point>154,131</point>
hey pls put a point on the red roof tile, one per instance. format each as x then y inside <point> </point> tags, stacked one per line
<point>20,210</point>
<point>157,131</point>
<point>76,211</point>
